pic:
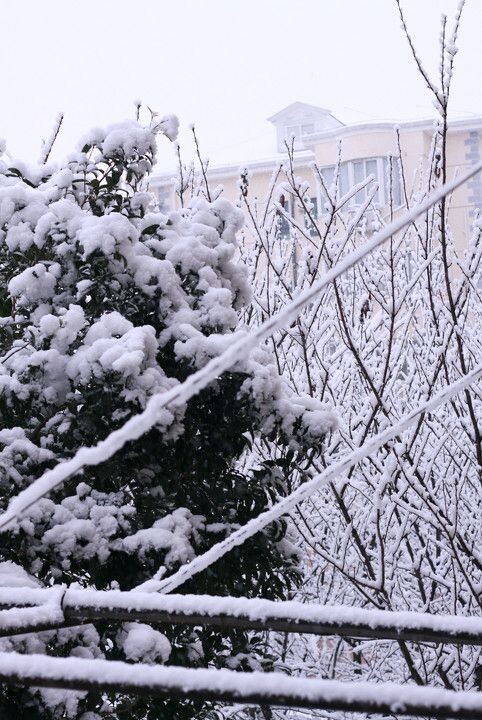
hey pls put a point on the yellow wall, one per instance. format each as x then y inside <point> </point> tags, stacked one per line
<point>415,145</point>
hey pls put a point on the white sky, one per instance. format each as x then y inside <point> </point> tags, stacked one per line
<point>224,64</point>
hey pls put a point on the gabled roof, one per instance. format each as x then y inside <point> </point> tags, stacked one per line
<point>298,107</point>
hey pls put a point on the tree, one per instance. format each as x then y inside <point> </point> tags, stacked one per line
<point>402,531</point>
<point>105,301</point>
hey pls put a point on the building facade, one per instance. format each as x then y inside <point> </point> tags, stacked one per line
<point>317,136</point>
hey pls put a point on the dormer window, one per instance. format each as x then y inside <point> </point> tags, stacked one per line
<point>299,131</point>
<point>301,120</point>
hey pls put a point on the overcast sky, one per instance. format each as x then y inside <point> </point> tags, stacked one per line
<point>225,65</point>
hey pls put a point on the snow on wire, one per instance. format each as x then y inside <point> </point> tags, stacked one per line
<point>272,688</point>
<point>141,423</point>
<point>35,609</point>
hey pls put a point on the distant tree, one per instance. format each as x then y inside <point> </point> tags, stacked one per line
<point>105,301</point>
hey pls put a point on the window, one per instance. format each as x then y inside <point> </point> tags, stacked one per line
<point>299,130</point>
<point>362,169</point>
<point>163,198</point>
<point>351,173</point>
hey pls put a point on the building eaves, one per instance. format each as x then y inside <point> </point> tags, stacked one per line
<point>387,126</point>
<point>304,157</point>
<point>301,159</point>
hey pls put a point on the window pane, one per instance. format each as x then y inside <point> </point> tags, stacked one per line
<point>327,173</point>
<point>307,129</point>
<point>163,199</point>
<point>358,171</point>
<point>397,183</point>
<point>358,176</point>
<point>372,169</point>
<point>292,130</point>
<point>343,180</point>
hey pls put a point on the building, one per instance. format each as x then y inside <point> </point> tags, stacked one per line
<point>365,148</point>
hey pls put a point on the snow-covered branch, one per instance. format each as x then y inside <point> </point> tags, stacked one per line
<point>338,469</point>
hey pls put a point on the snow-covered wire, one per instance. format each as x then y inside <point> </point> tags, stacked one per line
<point>30,609</point>
<point>272,688</point>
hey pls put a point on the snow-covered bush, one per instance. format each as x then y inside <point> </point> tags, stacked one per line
<point>104,302</point>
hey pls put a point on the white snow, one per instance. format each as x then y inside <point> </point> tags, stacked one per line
<point>141,642</point>
<point>274,688</point>
<point>12,575</point>
<point>169,125</point>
